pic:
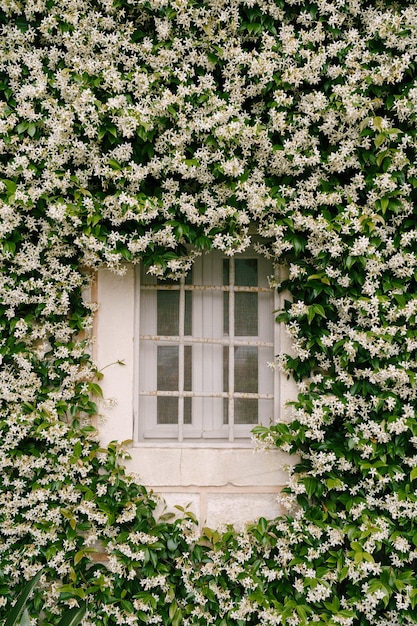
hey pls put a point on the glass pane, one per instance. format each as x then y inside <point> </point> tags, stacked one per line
<point>167,372</point>
<point>188,368</point>
<point>226,271</point>
<point>246,369</point>
<point>246,381</point>
<point>225,368</point>
<point>168,312</point>
<point>246,411</point>
<point>187,411</point>
<point>226,280</point>
<point>246,272</point>
<point>246,304</point>
<point>188,328</point>
<point>189,277</point>
<point>167,411</point>
<point>246,314</point>
<point>226,313</point>
<point>168,380</point>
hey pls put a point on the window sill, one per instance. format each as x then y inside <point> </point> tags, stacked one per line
<point>195,444</point>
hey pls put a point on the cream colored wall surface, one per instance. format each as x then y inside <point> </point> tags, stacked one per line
<point>200,466</point>
<point>221,485</point>
<point>114,343</point>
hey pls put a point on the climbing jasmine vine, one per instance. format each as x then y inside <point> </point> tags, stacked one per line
<point>152,131</point>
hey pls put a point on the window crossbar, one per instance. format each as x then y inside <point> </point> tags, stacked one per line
<point>188,339</point>
<point>183,287</point>
<point>205,394</point>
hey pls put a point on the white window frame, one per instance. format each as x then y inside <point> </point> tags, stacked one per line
<point>147,432</point>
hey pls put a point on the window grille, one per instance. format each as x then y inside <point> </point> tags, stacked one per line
<point>204,347</point>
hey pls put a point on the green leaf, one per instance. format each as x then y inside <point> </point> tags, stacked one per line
<point>172,545</point>
<point>95,389</point>
<point>377,123</point>
<point>384,204</point>
<point>321,277</point>
<point>379,140</point>
<point>25,619</point>
<point>319,310</point>
<point>172,610</point>
<point>313,486</point>
<point>21,127</point>
<point>254,28</point>
<point>73,616</point>
<point>78,448</point>
<point>333,606</point>
<point>9,247</point>
<point>349,261</point>
<point>310,314</point>
<point>10,186</point>
<point>16,612</point>
<point>334,483</point>
<point>313,310</point>
<point>31,129</point>
<point>177,618</point>
<point>111,130</point>
<point>73,591</point>
<point>79,556</point>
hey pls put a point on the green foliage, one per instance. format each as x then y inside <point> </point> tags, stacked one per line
<point>151,132</point>
<point>18,615</point>
<point>15,615</point>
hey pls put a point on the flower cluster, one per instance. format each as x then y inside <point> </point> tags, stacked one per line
<point>151,131</point>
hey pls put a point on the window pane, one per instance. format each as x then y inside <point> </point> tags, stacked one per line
<point>246,369</point>
<point>188,368</point>
<point>246,304</point>
<point>168,380</point>
<point>226,271</point>
<point>246,411</point>
<point>167,372</point>
<point>246,272</point>
<point>225,368</point>
<point>246,314</point>
<point>187,411</point>
<point>167,411</point>
<point>226,280</point>
<point>246,381</point>
<point>168,312</point>
<point>188,328</point>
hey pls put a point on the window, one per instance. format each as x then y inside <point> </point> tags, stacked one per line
<point>204,347</point>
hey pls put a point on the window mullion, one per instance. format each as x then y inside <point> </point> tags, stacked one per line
<point>181,362</point>
<point>231,373</point>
